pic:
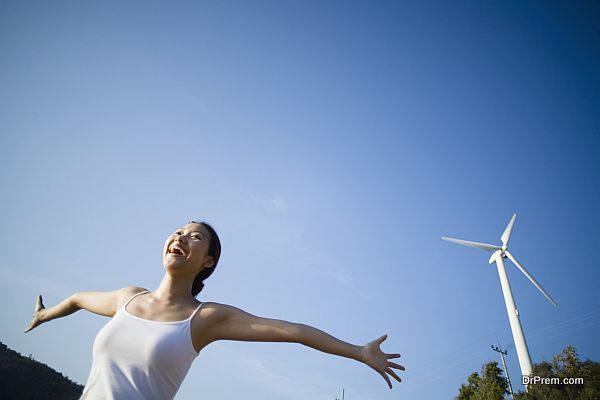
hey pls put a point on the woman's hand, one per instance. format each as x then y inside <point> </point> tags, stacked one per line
<point>378,360</point>
<point>37,314</point>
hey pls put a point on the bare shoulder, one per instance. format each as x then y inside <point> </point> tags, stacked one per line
<point>211,315</point>
<point>130,290</point>
<point>104,303</point>
<point>124,294</point>
<point>212,312</point>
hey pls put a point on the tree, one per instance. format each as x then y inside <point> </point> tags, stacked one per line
<point>466,392</point>
<point>567,365</point>
<point>489,385</point>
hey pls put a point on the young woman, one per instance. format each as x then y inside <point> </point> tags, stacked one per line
<point>147,348</point>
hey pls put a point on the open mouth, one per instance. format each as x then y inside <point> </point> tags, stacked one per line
<point>176,251</point>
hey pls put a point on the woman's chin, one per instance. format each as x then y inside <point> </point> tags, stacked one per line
<point>175,263</point>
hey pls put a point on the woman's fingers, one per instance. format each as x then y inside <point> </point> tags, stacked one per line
<point>39,304</point>
<point>377,360</point>
<point>381,339</point>
<point>394,365</point>
<point>30,326</point>
<point>392,373</point>
<point>386,379</point>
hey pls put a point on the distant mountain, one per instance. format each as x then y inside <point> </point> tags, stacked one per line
<point>23,378</point>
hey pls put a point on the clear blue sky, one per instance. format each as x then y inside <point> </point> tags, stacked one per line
<point>331,144</point>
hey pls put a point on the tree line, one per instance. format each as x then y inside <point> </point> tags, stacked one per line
<point>490,384</point>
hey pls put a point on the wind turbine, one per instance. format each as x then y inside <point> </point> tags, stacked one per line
<point>499,253</point>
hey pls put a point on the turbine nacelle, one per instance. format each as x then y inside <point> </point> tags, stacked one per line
<point>503,252</point>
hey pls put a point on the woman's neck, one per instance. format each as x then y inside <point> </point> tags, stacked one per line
<point>173,290</point>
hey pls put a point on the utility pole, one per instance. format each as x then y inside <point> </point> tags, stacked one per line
<point>502,354</point>
<point>342,395</point>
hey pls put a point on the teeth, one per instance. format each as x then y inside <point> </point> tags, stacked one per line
<point>176,251</point>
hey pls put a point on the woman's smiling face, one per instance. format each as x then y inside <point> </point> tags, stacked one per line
<point>187,249</point>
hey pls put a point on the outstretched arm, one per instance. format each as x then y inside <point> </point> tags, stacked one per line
<point>369,354</point>
<point>231,323</point>
<point>41,314</point>
<point>102,303</point>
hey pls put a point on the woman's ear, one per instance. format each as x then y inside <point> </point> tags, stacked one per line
<point>209,262</point>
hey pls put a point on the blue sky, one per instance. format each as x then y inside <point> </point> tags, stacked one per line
<point>331,144</point>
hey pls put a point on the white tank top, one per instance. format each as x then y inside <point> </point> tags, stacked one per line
<point>136,358</point>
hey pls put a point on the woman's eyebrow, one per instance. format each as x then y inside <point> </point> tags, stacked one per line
<point>194,231</point>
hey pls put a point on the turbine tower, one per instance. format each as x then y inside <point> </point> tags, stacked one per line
<point>498,256</point>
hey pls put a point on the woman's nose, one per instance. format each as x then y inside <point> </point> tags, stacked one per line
<point>181,238</point>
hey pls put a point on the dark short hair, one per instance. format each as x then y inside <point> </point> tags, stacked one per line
<point>214,250</point>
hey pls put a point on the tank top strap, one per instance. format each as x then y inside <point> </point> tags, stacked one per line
<point>196,310</point>
<point>133,297</point>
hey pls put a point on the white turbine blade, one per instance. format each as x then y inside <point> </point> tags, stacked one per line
<point>506,235</point>
<point>530,277</point>
<point>477,245</point>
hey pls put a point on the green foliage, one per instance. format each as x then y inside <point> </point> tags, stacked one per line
<point>489,385</point>
<point>565,365</point>
<point>24,378</point>
<point>466,392</point>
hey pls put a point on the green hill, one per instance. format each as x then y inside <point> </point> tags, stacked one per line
<point>23,378</point>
